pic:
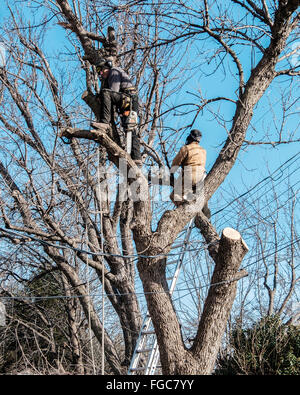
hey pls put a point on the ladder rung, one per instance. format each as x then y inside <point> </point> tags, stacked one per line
<point>148,333</point>
<point>137,369</point>
<point>144,350</point>
<point>157,367</point>
<point>171,262</point>
<point>177,245</point>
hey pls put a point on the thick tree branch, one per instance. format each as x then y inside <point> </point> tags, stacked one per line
<point>127,166</point>
<point>209,233</point>
<point>75,25</point>
<point>260,79</point>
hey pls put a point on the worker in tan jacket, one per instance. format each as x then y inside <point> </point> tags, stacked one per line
<point>191,158</point>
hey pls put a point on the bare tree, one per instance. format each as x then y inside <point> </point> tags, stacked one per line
<point>42,336</point>
<point>51,192</point>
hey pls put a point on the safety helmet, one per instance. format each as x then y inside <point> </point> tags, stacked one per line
<point>103,64</point>
<point>195,135</point>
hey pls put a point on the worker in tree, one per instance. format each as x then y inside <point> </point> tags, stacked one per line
<point>117,89</point>
<point>191,158</point>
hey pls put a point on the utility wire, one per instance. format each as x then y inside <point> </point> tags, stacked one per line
<point>12,233</point>
<point>271,177</point>
<point>145,293</point>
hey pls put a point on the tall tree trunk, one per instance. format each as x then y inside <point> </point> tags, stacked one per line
<point>200,359</point>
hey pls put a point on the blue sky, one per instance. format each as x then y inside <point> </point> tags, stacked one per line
<point>253,160</point>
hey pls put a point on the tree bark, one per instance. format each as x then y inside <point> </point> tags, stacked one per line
<point>226,251</point>
<point>260,79</point>
<point>220,298</point>
<point>175,357</point>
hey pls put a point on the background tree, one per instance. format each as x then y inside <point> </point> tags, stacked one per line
<point>268,348</point>
<point>51,193</point>
<point>44,336</point>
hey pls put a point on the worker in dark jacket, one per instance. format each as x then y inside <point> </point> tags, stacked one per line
<point>117,89</point>
<point>191,158</point>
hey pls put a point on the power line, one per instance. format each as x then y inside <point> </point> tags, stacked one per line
<point>258,260</point>
<point>271,177</point>
<point>272,253</point>
<point>36,298</point>
<point>107,254</point>
<point>266,205</point>
<point>145,293</point>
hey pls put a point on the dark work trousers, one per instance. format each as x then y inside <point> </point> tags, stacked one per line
<point>108,98</point>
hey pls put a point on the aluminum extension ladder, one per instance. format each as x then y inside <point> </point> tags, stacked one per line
<point>145,358</point>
